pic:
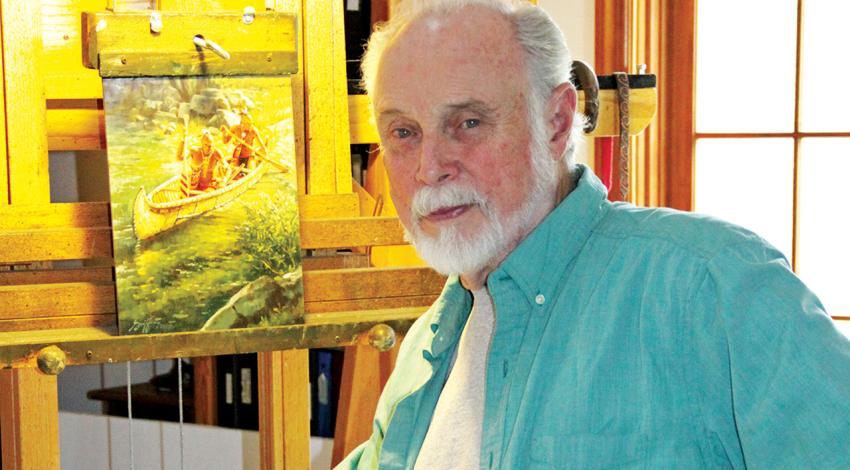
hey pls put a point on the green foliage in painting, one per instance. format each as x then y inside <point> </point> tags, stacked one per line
<point>269,237</point>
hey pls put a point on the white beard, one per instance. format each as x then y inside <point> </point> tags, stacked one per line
<point>451,252</point>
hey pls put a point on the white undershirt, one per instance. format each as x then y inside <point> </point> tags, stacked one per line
<point>453,440</point>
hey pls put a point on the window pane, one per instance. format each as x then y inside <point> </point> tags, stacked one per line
<point>823,257</point>
<point>826,45</point>
<point>749,182</point>
<point>844,327</point>
<point>745,65</point>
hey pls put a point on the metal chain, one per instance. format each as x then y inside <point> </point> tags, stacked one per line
<point>623,106</point>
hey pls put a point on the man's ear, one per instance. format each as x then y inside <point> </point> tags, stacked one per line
<point>560,113</point>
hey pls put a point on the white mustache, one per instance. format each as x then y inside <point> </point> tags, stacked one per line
<point>430,199</point>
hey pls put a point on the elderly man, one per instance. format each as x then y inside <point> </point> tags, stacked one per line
<point>572,332</point>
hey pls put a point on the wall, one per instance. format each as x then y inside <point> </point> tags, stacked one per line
<point>577,20</point>
<point>91,442</point>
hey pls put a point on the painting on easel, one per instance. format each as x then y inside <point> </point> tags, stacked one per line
<point>204,203</point>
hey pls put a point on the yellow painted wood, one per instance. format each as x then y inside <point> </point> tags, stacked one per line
<point>370,283</point>
<point>643,104</point>
<point>56,276</point>
<point>298,101</point>
<point>95,214</point>
<point>337,261</point>
<point>343,289</point>
<point>64,215</point>
<point>83,243</point>
<point>110,319</point>
<point>75,129</point>
<point>82,346</point>
<point>284,410</point>
<point>377,303</point>
<point>55,244</point>
<point>55,300</point>
<point>83,129</point>
<point>81,85</point>
<point>106,320</point>
<point>353,232</point>
<point>328,153</point>
<point>122,45</point>
<point>210,5</point>
<point>342,150</point>
<point>378,184</point>
<point>29,419</point>
<point>362,120</point>
<point>54,336</point>
<point>64,73</point>
<point>4,161</point>
<point>120,5</point>
<point>26,136</point>
<point>369,206</point>
<point>318,206</point>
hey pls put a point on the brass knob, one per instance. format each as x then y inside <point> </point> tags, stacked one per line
<point>381,337</point>
<point>51,360</point>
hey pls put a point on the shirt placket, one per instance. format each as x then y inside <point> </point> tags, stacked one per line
<point>511,313</point>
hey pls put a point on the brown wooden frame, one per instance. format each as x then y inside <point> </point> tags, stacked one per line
<point>31,228</point>
<point>659,34</point>
<point>662,34</point>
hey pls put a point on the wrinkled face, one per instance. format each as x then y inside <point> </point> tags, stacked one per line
<point>450,104</point>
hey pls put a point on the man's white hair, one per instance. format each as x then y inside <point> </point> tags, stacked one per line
<point>547,58</point>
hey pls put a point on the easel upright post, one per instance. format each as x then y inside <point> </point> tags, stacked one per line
<point>29,427</point>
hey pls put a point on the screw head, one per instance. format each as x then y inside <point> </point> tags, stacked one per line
<point>248,15</point>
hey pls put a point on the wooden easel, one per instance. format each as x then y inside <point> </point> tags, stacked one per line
<point>344,296</point>
<point>32,230</point>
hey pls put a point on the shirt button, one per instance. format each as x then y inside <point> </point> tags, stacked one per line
<point>540,299</point>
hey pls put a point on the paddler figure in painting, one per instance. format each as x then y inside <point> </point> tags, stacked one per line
<point>244,135</point>
<point>204,169</point>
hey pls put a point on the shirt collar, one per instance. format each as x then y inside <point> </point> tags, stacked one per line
<point>560,236</point>
<point>449,314</point>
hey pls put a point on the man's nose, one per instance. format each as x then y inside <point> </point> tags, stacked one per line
<point>436,162</point>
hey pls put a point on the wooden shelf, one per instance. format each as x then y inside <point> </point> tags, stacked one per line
<point>148,402</point>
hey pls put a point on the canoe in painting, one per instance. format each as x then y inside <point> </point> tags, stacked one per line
<point>166,207</point>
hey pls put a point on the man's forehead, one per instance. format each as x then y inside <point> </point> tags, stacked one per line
<point>452,59</point>
<point>445,110</point>
<point>475,24</point>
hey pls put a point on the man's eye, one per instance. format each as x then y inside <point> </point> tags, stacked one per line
<point>401,133</point>
<point>470,123</point>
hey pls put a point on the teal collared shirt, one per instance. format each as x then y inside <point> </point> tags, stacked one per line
<point>633,338</point>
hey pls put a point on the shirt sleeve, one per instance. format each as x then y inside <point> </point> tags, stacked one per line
<point>363,453</point>
<point>400,383</point>
<point>789,366</point>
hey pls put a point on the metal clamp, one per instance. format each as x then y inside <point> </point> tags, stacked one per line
<point>156,22</point>
<point>589,83</point>
<point>203,43</point>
